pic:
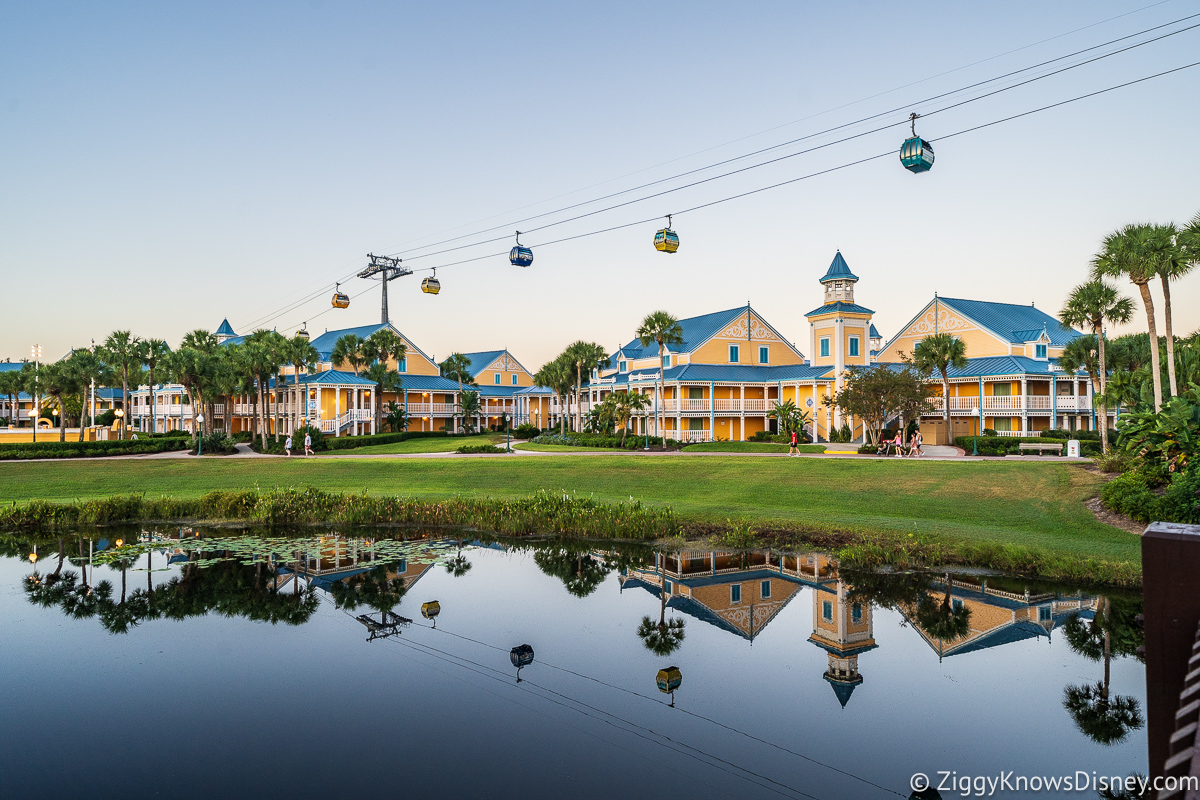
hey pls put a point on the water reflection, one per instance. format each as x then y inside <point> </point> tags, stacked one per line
<point>700,612</point>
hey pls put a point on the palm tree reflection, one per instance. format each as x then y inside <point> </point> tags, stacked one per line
<point>1097,713</point>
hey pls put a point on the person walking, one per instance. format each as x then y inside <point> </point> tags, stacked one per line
<point>308,451</point>
<point>287,446</point>
<point>916,443</point>
<point>794,447</point>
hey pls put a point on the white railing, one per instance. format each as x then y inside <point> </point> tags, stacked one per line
<point>690,436</point>
<point>1033,402</point>
<point>432,408</point>
<point>993,403</point>
<point>696,405</point>
<point>727,405</point>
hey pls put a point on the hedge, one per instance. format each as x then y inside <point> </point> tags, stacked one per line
<point>328,442</point>
<point>117,447</point>
<point>601,440</point>
<point>1133,495</point>
<point>1009,445</point>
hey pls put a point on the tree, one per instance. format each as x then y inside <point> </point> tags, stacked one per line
<point>619,407</point>
<point>1091,305</point>
<point>87,368</point>
<point>881,392</point>
<point>397,417</point>
<point>349,349</point>
<point>1100,716</point>
<point>942,620</point>
<point>1130,252</point>
<point>11,386</point>
<point>556,376</point>
<point>260,359</point>
<point>939,353</point>
<point>580,573</point>
<point>469,406</point>
<point>790,417</point>
<point>1081,353</point>
<point>300,354</point>
<point>121,353</point>
<point>29,384</point>
<point>382,346</point>
<point>153,353</point>
<point>665,331</point>
<point>663,637</point>
<point>1171,262</point>
<point>58,381</point>
<point>584,357</point>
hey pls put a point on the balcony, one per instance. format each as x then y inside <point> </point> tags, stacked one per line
<point>1032,403</point>
<point>433,409</point>
<point>690,436</point>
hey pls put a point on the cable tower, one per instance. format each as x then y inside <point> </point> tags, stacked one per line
<point>383,268</point>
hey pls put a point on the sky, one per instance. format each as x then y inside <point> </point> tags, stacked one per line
<point>165,166</point>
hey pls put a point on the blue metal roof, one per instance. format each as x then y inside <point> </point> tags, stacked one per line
<point>226,329</point>
<point>336,376</point>
<point>1014,322</point>
<point>1008,365</point>
<point>326,341</point>
<point>839,270</point>
<point>696,331</point>
<point>731,373</point>
<point>829,308</point>
<point>482,360</point>
<point>11,366</point>
<point>874,334</point>
<point>843,689</point>
<point>428,383</point>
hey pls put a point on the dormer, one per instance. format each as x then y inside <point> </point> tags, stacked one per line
<point>839,281</point>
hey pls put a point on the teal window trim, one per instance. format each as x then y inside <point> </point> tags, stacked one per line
<point>1039,351</point>
<point>854,346</point>
<point>514,379</point>
<point>497,379</point>
<point>827,611</point>
<point>764,354</point>
<point>622,366</point>
<point>824,347</point>
<point>765,590</point>
<point>734,354</point>
<point>735,593</point>
<point>666,361</point>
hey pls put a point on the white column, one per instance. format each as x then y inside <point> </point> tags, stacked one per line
<point>337,411</point>
<point>839,364</point>
<point>1024,407</point>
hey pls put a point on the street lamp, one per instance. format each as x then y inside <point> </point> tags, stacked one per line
<point>978,421</point>
<point>200,437</point>
<point>36,352</point>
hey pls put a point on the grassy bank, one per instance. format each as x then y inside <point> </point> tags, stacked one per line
<point>1027,518</point>
<point>750,447</point>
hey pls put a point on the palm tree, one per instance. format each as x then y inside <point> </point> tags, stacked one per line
<point>938,353</point>
<point>665,331</point>
<point>260,360</point>
<point>469,406</point>
<point>620,408</point>
<point>1100,716</point>
<point>1171,262</point>
<point>11,387</point>
<point>1130,252</point>
<point>1082,353</point>
<point>556,376</point>
<point>301,355</point>
<point>791,417</point>
<point>86,368</point>
<point>585,357</point>
<point>349,349</point>
<point>152,353</point>
<point>382,346</point>
<point>1091,305</point>
<point>58,381</point>
<point>457,367</point>
<point>29,384</point>
<point>120,352</point>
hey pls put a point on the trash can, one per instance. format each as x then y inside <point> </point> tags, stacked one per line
<point>1073,449</point>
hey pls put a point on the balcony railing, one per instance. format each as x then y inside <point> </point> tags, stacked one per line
<point>1033,402</point>
<point>446,409</point>
<point>690,436</point>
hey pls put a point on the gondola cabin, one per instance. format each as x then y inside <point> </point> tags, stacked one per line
<point>520,256</point>
<point>431,286</point>
<point>302,333</point>
<point>341,300</point>
<point>431,609</point>
<point>666,241</point>
<point>669,679</point>
<point>916,155</point>
<point>521,656</point>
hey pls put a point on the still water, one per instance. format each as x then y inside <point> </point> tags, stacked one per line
<point>184,662</point>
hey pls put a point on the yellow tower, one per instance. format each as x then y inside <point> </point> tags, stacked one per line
<point>840,329</point>
<point>843,629</point>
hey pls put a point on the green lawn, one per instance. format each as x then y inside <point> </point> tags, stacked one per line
<point>564,448</point>
<point>1038,505</point>
<point>435,444</point>
<point>750,447</point>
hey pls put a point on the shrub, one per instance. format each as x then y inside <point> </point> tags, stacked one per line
<point>468,449</point>
<point>1115,461</point>
<point>739,536</point>
<point>243,436</point>
<point>116,447</point>
<point>106,419</point>
<point>990,432</point>
<point>1181,501</point>
<point>1010,445</point>
<point>1132,496</point>
<point>526,430</point>
<point>350,442</point>
<point>597,440</point>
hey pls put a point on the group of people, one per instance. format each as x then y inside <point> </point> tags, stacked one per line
<point>308,451</point>
<point>897,447</point>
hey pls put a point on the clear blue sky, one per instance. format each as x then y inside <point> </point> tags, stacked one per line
<point>166,165</point>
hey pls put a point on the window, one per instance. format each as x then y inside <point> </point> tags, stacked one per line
<point>1043,613</point>
<point>695,393</point>
<point>666,586</point>
<point>957,604</point>
<point>496,379</point>
<point>1039,351</point>
<point>1002,424</point>
<point>766,590</point>
<point>853,345</point>
<point>824,347</point>
<point>1001,390</point>
<point>666,361</point>
<point>403,567</point>
<point>735,593</point>
<point>733,354</point>
<point>623,366</point>
<point>827,611</point>
<point>695,424</point>
<point>764,354</point>
<point>402,365</point>
<point>856,612</point>
<point>514,379</point>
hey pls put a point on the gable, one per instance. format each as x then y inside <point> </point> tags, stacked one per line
<point>937,317</point>
<point>749,332</point>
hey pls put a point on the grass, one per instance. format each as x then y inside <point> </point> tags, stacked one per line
<point>1019,516</point>
<point>564,448</point>
<point>750,447</point>
<point>431,445</point>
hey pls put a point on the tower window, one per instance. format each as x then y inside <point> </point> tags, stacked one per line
<point>825,347</point>
<point>856,612</point>
<point>623,366</point>
<point>853,345</point>
<point>827,611</point>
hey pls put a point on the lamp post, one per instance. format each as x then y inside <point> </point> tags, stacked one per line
<point>978,420</point>
<point>507,431</point>
<point>200,436</point>
<point>36,352</point>
<point>119,414</point>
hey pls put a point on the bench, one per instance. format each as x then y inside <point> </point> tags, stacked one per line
<point>1040,447</point>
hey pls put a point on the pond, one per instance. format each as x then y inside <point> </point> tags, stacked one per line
<point>190,662</point>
